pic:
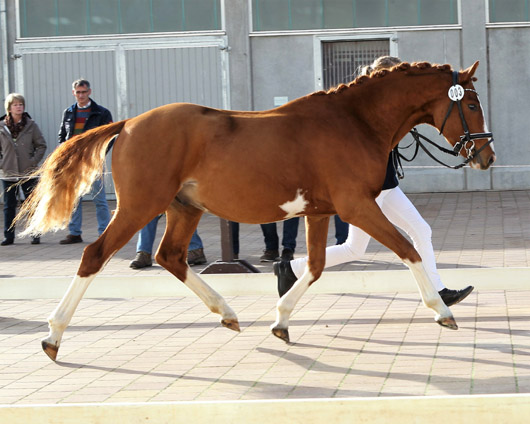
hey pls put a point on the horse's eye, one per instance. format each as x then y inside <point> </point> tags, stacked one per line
<point>472,106</point>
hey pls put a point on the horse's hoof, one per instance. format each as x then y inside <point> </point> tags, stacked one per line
<point>448,322</point>
<point>50,350</point>
<point>281,333</point>
<point>232,324</point>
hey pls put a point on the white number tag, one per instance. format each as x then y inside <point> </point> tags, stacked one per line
<point>456,92</point>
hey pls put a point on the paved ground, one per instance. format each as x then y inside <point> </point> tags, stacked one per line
<point>343,345</point>
<point>483,229</point>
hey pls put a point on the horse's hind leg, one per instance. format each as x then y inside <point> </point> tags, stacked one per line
<point>95,256</point>
<point>316,232</point>
<point>181,222</point>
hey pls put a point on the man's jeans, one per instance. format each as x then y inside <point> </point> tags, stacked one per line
<point>290,231</point>
<point>147,235</point>
<point>102,210</point>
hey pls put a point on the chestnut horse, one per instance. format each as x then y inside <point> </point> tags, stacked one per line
<point>316,156</point>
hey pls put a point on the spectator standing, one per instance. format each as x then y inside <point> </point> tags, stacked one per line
<point>272,241</point>
<point>22,146</point>
<point>85,114</point>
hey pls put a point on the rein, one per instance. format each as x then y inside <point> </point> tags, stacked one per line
<point>456,94</point>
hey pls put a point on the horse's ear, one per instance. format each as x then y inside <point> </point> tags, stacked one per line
<point>468,73</point>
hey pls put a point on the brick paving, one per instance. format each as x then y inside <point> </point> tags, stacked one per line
<point>342,345</point>
<point>470,230</point>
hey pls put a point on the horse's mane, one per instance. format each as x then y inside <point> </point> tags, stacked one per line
<point>409,68</point>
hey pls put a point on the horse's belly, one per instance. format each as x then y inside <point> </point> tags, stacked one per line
<point>261,206</point>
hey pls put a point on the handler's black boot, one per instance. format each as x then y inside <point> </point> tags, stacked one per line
<point>286,277</point>
<point>452,297</point>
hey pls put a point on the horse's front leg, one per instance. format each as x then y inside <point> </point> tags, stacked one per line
<point>316,231</point>
<point>371,219</point>
<point>430,297</point>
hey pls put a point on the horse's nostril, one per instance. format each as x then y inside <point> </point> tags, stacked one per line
<point>492,159</point>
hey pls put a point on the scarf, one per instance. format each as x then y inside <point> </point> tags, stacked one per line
<point>15,129</point>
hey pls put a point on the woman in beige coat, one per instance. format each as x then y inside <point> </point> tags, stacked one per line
<point>22,146</point>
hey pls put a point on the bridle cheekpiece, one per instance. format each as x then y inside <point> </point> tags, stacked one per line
<point>456,94</point>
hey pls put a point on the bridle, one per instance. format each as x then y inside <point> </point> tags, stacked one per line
<point>456,94</point>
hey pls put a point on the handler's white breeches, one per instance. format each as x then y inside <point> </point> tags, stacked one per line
<point>401,212</point>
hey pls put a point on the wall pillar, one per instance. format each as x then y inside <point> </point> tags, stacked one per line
<point>474,47</point>
<point>237,31</point>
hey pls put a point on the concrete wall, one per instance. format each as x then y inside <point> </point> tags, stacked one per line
<point>509,87</point>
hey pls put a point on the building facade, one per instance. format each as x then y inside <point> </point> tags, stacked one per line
<point>258,54</point>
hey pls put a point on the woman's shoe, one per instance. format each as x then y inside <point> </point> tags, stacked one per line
<point>35,240</point>
<point>7,242</point>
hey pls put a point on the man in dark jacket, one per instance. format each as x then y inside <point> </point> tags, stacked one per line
<point>82,116</point>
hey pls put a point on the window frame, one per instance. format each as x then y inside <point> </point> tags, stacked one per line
<point>319,39</point>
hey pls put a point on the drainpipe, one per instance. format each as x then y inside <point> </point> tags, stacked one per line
<point>3,47</point>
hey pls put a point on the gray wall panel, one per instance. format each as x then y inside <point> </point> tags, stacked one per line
<point>157,77</point>
<point>288,72</point>
<point>48,90</point>
<point>510,93</point>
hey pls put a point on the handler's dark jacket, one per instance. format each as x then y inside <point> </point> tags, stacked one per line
<point>391,180</point>
<point>98,116</point>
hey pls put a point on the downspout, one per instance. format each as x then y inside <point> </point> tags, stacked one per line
<point>3,47</point>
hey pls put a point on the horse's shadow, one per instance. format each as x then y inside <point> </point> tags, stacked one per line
<point>263,386</point>
<point>315,365</point>
<point>13,325</point>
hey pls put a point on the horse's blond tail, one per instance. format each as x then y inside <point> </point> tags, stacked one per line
<point>65,176</point>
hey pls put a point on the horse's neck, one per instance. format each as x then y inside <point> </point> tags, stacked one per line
<point>395,104</point>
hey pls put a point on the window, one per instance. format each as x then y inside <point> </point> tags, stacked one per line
<point>342,61</point>
<point>279,15</point>
<point>508,10</point>
<point>46,18</point>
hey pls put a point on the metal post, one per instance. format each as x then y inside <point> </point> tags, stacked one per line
<point>227,245</point>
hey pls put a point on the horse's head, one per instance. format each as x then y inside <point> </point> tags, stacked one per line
<point>460,118</point>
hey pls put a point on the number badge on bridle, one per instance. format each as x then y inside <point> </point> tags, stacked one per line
<point>456,92</point>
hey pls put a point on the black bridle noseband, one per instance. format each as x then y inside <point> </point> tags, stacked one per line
<point>456,94</point>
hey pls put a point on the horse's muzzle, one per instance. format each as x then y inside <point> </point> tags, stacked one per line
<point>483,160</point>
